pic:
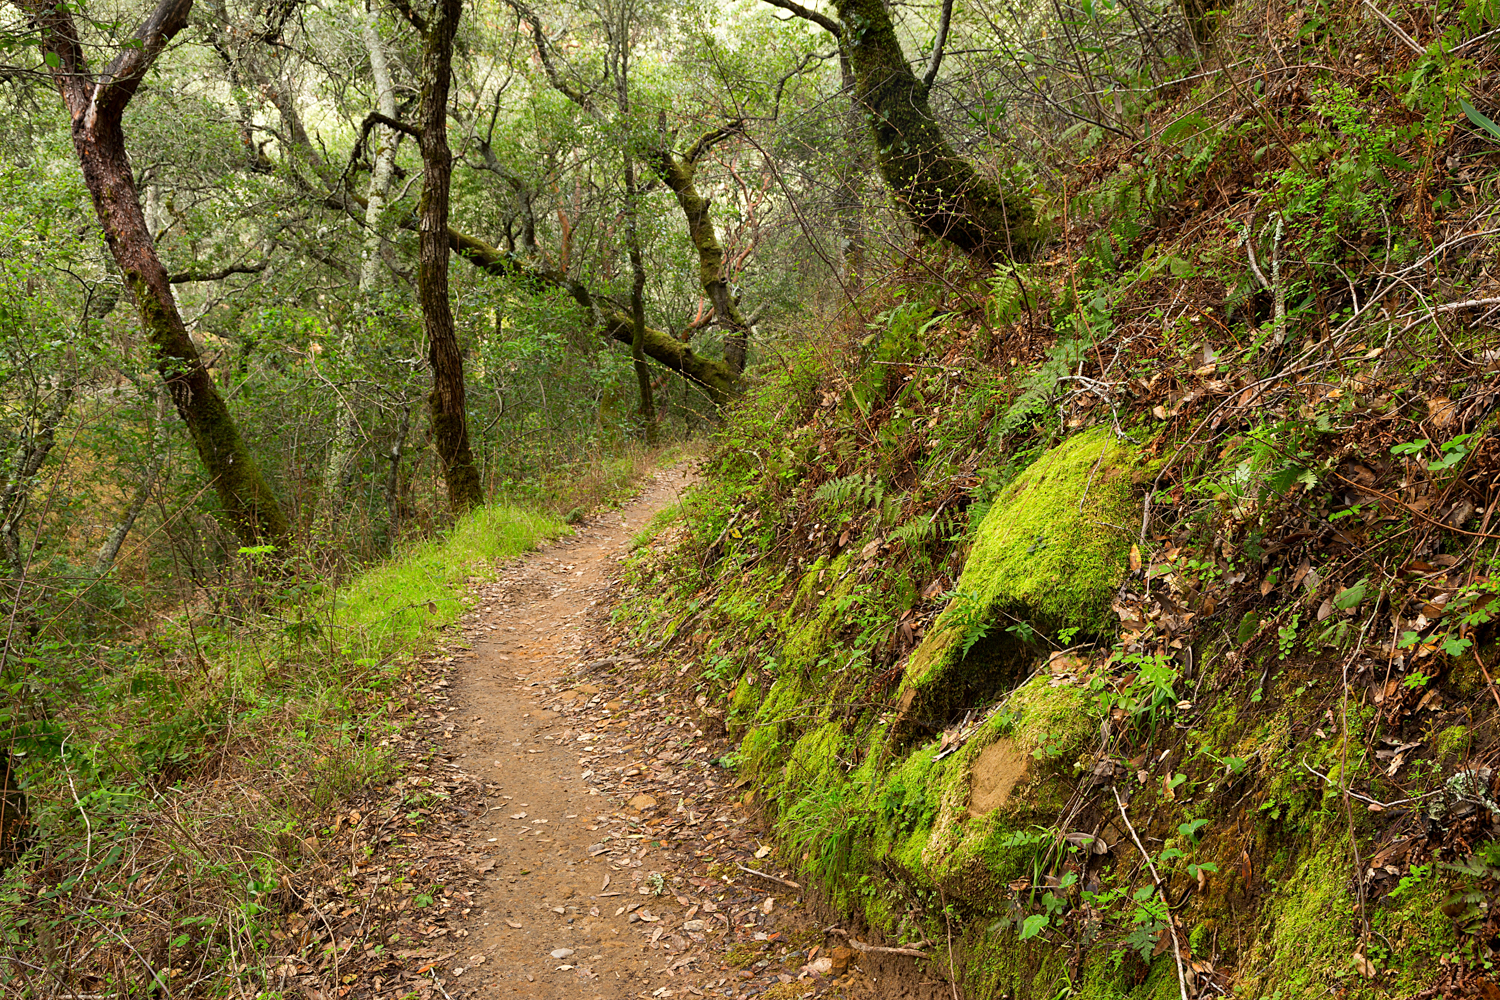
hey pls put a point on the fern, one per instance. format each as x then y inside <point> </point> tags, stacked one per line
<point>1036,392</point>
<point>921,530</point>
<point>915,533</point>
<point>859,489</point>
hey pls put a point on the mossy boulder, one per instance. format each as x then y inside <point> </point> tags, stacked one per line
<point>1047,558</point>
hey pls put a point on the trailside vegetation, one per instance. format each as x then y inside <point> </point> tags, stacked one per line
<point>1125,617</point>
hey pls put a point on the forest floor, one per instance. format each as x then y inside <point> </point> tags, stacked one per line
<point>618,858</point>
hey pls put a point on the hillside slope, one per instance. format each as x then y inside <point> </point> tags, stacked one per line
<point>1127,615</point>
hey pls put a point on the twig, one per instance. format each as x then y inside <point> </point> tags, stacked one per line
<point>1395,28</point>
<point>1160,892</point>
<point>784,881</point>
<point>859,945</point>
<point>952,970</point>
<point>1465,304</point>
<point>1487,679</point>
<point>1365,798</point>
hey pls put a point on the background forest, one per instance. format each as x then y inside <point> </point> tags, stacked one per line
<point>310,310</point>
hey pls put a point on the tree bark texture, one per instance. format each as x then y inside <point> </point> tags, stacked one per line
<point>450,425</point>
<point>940,192</point>
<point>96,106</point>
<point>679,173</point>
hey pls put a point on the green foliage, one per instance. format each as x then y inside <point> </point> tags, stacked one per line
<point>847,494</point>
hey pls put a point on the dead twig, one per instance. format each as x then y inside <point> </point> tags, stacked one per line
<point>858,945</point>
<point>784,881</point>
<point>1161,892</point>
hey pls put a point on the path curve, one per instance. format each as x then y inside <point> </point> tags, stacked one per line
<point>613,847</point>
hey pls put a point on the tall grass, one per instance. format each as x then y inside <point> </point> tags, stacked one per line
<point>401,604</point>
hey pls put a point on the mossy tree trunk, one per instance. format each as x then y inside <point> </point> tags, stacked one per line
<point>679,174</point>
<point>446,402</point>
<point>940,192</point>
<point>614,322</point>
<point>96,106</point>
<point>712,376</point>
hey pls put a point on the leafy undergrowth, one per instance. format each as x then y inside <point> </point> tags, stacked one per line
<point>217,802</point>
<point>1266,764</point>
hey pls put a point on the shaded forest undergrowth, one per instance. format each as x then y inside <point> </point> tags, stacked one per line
<point>1128,615</point>
<point>207,787</point>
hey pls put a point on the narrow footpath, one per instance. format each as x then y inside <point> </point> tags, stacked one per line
<point>618,858</point>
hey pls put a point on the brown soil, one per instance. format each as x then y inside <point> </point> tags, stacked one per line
<point>993,776</point>
<point>618,858</point>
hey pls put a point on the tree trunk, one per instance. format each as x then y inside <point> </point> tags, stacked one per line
<point>450,425</point>
<point>941,193</point>
<point>12,810</point>
<point>647,408</point>
<point>851,213</point>
<point>710,375</point>
<point>679,173</point>
<point>96,109</point>
<point>713,377</point>
<point>393,477</point>
<point>341,449</point>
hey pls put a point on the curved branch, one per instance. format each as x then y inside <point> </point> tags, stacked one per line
<point>416,20</point>
<point>821,20</point>
<point>118,83</point>
<point>183,277</point>
<point>376,118</point>
<point>562,86</point>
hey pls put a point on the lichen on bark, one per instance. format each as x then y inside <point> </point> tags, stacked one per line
<point>940,192</point>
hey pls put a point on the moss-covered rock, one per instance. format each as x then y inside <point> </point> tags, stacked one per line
<point>1047,558</point>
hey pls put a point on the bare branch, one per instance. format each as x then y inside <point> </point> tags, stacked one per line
<point>376,118</point>
<point>936,59</point>
<point>821,20</point>
<point>417,20</point>
<point>562,86</point>
<point>183,277</point>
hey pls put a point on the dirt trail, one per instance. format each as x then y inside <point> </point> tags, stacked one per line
<point>614,849</point>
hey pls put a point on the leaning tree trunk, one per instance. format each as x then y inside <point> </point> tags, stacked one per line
<point>450,426</point>
<point>940,192</point>
<point>96,108</point>
<point>679,173</point>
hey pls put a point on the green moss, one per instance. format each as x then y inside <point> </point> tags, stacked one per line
<point>1049,555</point>
<point>1451,744</point>
<point>743,704</point>
<point>814,761</point>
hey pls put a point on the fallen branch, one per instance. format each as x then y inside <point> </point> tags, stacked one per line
<point>858,945</point>
<point>784,881</point>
